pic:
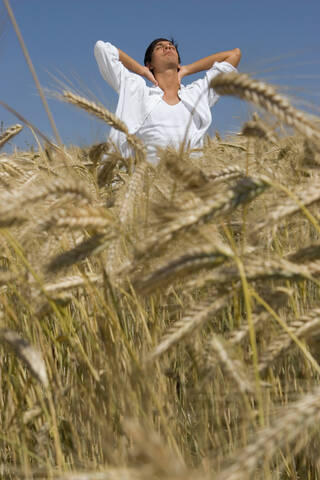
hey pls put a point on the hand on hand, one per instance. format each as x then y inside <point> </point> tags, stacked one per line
<point>182,73</point>
<point>149,76</point>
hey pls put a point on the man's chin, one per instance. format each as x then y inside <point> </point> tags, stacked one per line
<point>173,65</point>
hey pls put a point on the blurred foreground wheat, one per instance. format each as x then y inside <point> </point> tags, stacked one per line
<point>163,322</point>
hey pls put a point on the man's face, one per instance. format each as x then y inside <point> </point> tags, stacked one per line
<point>164,56</point>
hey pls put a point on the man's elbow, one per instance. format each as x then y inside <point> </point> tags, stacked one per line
<point>234,57</point>
<point>98,46</point>
<point>237,52</point>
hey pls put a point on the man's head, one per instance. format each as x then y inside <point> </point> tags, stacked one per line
<point>162,53</point>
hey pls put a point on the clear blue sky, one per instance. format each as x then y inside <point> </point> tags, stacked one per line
<point>279,39</point>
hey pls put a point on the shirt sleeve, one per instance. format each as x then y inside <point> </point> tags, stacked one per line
<point>112,70</point>
<point>217,67</point>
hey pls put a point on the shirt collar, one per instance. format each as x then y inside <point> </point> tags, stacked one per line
<point>157,90</point>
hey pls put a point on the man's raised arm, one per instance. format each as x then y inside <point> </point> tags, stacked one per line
<point>135,67</point>
<point>111,62</point>
<point>231,56</point>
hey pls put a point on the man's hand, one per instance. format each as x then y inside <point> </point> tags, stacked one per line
<point>231,56</point>
<point>183,72</point>
<point>234,57</point>
<point>135,67</point>
<point>146,73</point>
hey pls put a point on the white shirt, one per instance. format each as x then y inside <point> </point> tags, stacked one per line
<point>137,101</point>
<point>166,125</point>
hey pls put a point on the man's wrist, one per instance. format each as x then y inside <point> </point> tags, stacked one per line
<point>145,72</point>
<point>185,70</point>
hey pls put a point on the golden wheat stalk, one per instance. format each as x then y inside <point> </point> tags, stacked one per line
<point>228,173</point>
<point>24,350</point>
<point>256,128</point>
<point>188,324</point>
<point>13,169</point>
<point>88,217</point>
<point>103,114</point>
<point>107,166</point>
<point>80,252</point>
<point>72,282</point>
<point>7,277</point>
<point>183,171</point>
<point>93,108</point>
<point>241,335</point>
<point>276,299</point>
<point>306,326</point>
<point>9,133</point>
<point>309,196</point>
<point>311,157</point>
<point>262,269</point>
<point>34,193</point>
<point>97,151</point>
<point>8,220</point>
<point>152,450</point>
<point>132,192</point>
<point>245,191</point>
<point>166,208</point>
<point>291,423</point>
<point>305,254</point>
<point>219,352</point>
<point>204,257</point>
<point>126,215</point>
<point>265,96</point>
<point>3,181</point>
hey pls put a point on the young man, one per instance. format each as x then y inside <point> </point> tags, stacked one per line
<point>168,113</point>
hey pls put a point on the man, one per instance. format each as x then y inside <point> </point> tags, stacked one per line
<point>168,113</point>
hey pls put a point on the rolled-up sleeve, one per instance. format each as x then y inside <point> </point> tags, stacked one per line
<point>107,57</point>
<point>217,67</point>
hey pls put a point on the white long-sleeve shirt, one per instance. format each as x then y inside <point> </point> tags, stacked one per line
<point>137,101</point>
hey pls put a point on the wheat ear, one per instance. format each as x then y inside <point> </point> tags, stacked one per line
<point>306,254</point>
<point>193,260</point>
<point>107,166</point>
<point>276,299</point>
<point>126,214</point>
<point>245,191</point>
<point>191,176</point>
<point>309,196</point>
<point>240,335</point>
<point>80,217</point>
<point>305,327</point>
<point>77,254</point>
<point>29,195</point>
<point>101,112</point>
<point>94,109</point>
<point>262,269</point>
<point>256,128</point>
<point>228,173</point>
<point>264,95</point>
<point>31,357</point>
<point>97,151</point>
<point>188,324</point>
<point>13,169</point>
<point>69,283</point>
<point>287,428</point>
<point>219,352</point>
<point>9,133</point>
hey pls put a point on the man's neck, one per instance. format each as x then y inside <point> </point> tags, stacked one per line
<point>168,81</point>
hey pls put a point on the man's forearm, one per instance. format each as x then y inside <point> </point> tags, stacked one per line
<point>135,67</point>
<point>130,63</point>
<point>231,56</point>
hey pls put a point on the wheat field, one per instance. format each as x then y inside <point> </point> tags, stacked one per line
<point>163,323</point>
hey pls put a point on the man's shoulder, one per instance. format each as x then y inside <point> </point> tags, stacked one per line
<point>107,48</point>
<point>207,75</point>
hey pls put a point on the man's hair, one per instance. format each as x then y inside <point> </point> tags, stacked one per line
<point>149,51</point>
